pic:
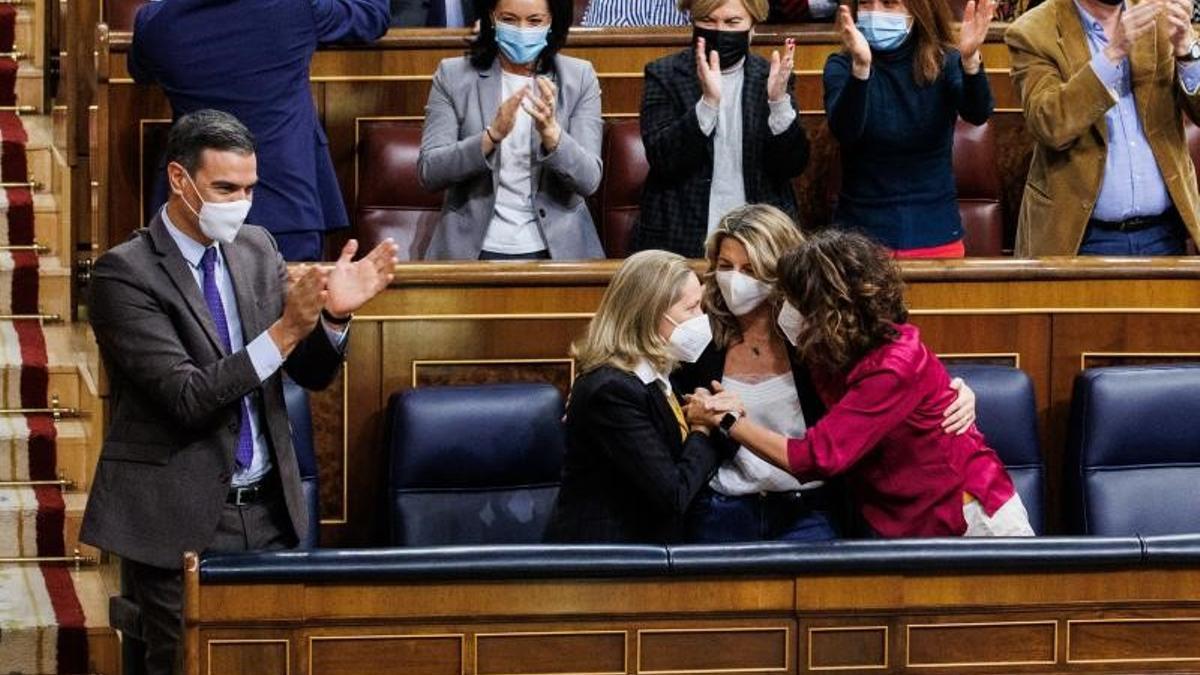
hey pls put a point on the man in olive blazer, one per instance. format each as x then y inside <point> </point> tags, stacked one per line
<point>1068,110</point>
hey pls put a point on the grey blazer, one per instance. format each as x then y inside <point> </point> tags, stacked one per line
<point>462,102</point>
<point>168,456</point>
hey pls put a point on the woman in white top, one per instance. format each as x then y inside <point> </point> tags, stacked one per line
<point>748,498</point>
<point>512,134</point>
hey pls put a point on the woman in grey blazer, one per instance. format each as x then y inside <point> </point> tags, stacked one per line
<point>512,134</point>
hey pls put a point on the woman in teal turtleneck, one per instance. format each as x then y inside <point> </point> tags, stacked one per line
<point>892,97</point>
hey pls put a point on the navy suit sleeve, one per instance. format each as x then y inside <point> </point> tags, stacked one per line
<point>350,20</point>
<point>140,63</point>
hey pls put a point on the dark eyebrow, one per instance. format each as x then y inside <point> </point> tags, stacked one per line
<point>226,185</point>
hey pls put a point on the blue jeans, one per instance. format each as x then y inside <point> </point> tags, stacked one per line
<point>1169,238</point>
<point>717,518</point>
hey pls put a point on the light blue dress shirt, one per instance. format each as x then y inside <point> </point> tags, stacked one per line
<point>1133,185</point>
<point>264,355</point>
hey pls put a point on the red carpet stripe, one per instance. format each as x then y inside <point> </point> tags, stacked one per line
<point>35,377</point>
<point>25,283</point>
<point>8,79</point>
<point>51,521</point>
<point>72,626</point>
<point>8,27</point>
<point>43,447</point>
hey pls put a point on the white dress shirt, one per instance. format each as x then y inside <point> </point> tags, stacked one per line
<point>263,352</point>
<point>514,228</point>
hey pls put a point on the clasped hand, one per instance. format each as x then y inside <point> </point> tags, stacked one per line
<point>340,290</point>
<point>704,408</point>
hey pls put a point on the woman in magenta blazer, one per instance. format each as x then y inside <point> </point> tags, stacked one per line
<point>885,392</point>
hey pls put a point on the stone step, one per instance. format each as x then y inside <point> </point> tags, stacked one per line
<point>19,517</point>
<point>29,636</point>
<point>40,152</point>
<point>30,85</point>
<point>50,223</point>
<point>73,456</point>
<point>28,39</point>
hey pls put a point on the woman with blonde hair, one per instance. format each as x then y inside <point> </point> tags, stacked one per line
<point>885,391</point>
<point>633,464</point>
<point>748,498</point>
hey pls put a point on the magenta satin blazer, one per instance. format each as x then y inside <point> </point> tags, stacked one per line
<point>883,432</point>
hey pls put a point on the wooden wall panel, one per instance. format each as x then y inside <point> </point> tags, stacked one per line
<point>992,643</point>
<point>552,653</point>
<point>847,647</point>
<point>368,654</point>
<point>675,651</point>
<point>1138,641</point>
<point>230,655</point>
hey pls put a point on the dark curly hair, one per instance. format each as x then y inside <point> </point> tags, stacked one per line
<point>849,290</point>
<point>484,48</point>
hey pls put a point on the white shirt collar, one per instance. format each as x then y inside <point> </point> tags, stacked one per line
<point>191,249</point>
<point>647,374</point>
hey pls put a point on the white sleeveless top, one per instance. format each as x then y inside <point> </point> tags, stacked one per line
<point>775,404</point>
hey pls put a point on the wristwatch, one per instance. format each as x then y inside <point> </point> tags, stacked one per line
<point>1193,53</point>
<point>728,421</point>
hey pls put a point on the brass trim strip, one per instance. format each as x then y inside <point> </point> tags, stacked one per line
<point>287,643</point>
<point>76,558</point>
<point>787,649</point>
<point>1083,356</point>
<point>64,483</point>
<point>981,664</point>
<point>623,633</point>
<point>1015,356</point>
<point>841,629</point>
<point>488,362</point>
<point>1165,619</point>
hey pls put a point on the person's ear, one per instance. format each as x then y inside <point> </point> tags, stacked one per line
<point>176,178</point>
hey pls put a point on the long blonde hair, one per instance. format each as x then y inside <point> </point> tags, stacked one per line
<point>625,328</point>
<point>766,233</point>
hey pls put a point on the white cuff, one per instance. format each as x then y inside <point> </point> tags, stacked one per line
<point>782,116</point>
<point>707,116</point>
<point>264,355</point>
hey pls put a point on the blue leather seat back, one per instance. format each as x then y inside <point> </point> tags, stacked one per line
<point>300,419</point>
<point>1133,454</point>
<point>1007,416</point>
<point>474,465</point>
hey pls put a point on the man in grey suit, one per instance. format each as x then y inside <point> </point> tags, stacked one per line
<point>196,320</point>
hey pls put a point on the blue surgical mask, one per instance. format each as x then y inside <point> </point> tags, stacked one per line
<point>883,30</point>
<point>521,45</point>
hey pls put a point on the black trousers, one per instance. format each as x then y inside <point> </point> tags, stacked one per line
<point>158,592</point>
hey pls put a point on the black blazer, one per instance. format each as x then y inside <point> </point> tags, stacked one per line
<point>627,475</point>
<point>674,213</point>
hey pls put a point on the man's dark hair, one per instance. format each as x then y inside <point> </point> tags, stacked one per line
<point>484,48</point>
<point>203,130</point>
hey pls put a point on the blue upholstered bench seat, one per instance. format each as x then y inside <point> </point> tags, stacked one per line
<point>752,559</point>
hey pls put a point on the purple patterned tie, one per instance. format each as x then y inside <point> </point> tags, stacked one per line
<point>212,297</point>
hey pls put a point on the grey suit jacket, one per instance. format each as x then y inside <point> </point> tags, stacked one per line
<point>462,102</point>
<point>168,456</point>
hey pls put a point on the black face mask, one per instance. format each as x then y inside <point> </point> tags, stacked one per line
<point>730,45</point>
